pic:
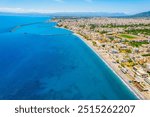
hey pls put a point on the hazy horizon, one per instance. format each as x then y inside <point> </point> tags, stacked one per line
<point>57,6</point>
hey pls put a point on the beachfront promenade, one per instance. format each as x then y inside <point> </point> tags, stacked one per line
<point>123,44</point>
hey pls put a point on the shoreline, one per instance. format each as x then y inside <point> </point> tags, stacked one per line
<point>140,97</point>
<point>108,63</point>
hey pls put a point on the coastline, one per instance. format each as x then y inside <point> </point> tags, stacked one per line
<point>139,96</point>
<point>123,78</point>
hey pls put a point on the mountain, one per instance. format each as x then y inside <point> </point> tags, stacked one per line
<point>88,14</point>
<point>67,14</point>
<point>143,14</point>
<point>81,14</point>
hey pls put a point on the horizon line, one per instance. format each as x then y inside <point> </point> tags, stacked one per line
<point>49,11</point>
<point>72,12</point>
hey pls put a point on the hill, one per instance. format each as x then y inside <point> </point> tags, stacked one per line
<point>143,14</point>
<point>69,14</point>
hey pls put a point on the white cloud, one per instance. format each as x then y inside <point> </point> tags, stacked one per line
<point>21,10</point>
<point>8,9</point>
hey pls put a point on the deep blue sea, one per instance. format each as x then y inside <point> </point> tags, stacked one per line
<point>41,62</point>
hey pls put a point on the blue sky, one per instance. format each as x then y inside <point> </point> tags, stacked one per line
<point>126,6</point>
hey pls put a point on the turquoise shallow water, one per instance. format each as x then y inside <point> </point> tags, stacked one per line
<point>39,61</point>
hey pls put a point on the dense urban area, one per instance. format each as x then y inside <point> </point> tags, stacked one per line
<point>124,43</point>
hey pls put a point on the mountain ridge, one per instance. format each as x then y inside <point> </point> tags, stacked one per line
<point>75,14</point>
<point>142,14</point>
<point>81,14</point>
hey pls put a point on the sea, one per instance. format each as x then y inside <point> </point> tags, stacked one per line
<point>39,61</point>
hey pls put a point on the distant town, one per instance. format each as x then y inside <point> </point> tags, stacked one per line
<point>124,44</point>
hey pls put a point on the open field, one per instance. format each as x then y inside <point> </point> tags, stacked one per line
<point>127,36</point>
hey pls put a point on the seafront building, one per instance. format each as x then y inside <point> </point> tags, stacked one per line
<point>124,42</point>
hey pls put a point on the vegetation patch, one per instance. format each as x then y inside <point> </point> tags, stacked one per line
<point>93,26</point>
<point>139,31</point>
<point>94,43</point>
<point>138,44</point>
<point>124,26</point>
<point>127,36</point>
<point>146,54</point>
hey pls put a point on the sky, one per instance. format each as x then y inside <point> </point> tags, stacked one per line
<point>51,6</point>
